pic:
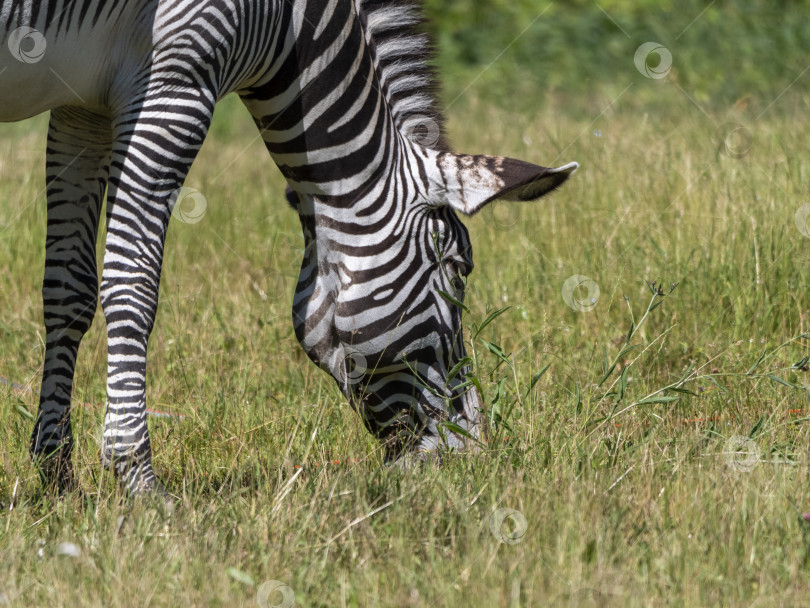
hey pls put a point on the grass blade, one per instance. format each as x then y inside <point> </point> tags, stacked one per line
<point>490,318</point>
<point>453,300</point>
<point>537,377</point>
<point>661,399</point>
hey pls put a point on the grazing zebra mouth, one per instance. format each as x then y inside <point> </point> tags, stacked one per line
<point>407,414</point>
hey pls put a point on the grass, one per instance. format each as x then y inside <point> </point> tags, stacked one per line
<point>647,507</point>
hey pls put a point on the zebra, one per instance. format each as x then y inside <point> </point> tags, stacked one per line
<point>343,94</point>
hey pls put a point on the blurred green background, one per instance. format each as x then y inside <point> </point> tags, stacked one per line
<point>723,52</point>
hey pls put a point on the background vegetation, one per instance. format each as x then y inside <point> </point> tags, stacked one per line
<point>723,52</point>
<point>677,476</point>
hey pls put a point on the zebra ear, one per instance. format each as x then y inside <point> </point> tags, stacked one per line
<point>470,182</point>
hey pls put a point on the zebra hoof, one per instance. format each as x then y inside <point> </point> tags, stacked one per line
<point>140,481</point>
<point>137,478</point>
<point>56,471</point>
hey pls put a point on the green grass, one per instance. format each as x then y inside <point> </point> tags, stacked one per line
<point>641,509</point>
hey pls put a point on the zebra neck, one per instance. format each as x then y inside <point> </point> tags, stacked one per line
<point>324,109</point>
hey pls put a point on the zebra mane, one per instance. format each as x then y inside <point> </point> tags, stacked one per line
<point>402,53</point>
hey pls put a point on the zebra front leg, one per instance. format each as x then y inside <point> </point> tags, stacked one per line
<point>149,165</point>
<point>77,165</point>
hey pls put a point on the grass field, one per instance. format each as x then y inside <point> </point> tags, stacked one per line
<point>680,479</point>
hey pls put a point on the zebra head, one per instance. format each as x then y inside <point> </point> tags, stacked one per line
<point>379,297</point>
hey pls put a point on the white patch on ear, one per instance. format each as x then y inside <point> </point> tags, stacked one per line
<point>467,183</point>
